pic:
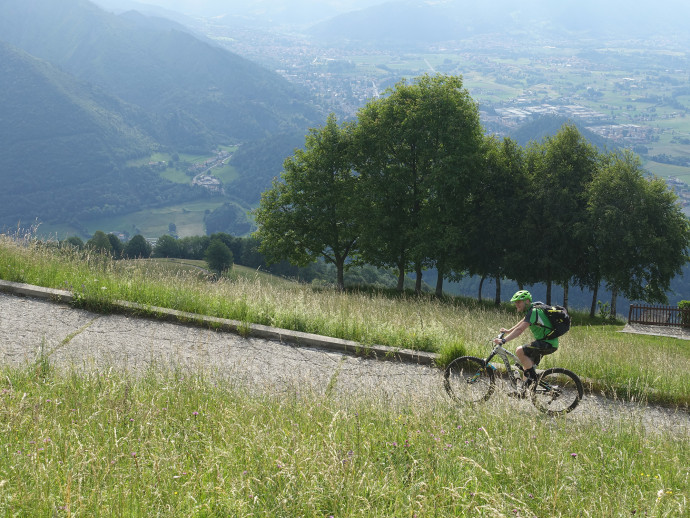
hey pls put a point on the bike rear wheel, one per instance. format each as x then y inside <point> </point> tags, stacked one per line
<point>557,392</point>
<point>468,380</point>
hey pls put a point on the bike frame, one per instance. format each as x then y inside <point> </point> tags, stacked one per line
<point>506,356</point>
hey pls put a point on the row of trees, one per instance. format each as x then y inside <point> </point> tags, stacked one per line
<point>415,184</point>
<point>216,250</point>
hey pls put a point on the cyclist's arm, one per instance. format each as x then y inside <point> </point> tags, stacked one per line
<point>508,331</point>
<point>515,331</point>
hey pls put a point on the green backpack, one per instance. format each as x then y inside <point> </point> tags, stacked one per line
<point>559,318</point>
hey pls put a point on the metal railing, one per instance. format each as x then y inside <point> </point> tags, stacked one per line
<point>659,315</point>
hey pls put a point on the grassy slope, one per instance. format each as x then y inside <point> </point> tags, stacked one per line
<point>174,444</point>
<point>183,444</point>
<point>628,365</point>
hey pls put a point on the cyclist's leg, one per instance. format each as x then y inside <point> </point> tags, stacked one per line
<point>533,354</point>
<point>522,355</point>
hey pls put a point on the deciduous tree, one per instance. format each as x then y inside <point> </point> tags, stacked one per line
<point>417,151</point>
<point>560,169</point>
<point>218,256</point>
<point>137,248</point>
<point>640,234</point>
<point>311,211</point>
<point>166,246</point>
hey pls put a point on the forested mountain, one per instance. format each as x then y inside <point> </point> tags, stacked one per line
<point>83,91</point>
<point>62,138</point>
<point>192,87</point>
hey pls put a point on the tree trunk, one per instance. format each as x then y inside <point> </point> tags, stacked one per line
<point>593,309</point>
<point>340,268</point>
<point>439,284</point>
<point>548,291</point>
<point>481,283</point>
<point>401,276</point>
<point>497,299</point>
<point>418,281</point>
<point>614,296</point>
<point>566,288</point>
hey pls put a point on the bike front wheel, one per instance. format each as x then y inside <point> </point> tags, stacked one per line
<point>469,380</point>
<point>557,392</point>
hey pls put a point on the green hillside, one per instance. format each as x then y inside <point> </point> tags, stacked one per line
<point>89,97</point>
<point>63,144</point>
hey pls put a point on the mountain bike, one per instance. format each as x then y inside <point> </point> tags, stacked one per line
<point>471,380</point>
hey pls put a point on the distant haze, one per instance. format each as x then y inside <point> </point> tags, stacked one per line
<point>583,16</point>
<point>270,12</point>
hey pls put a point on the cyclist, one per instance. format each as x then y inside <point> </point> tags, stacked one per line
<point>530,355</point>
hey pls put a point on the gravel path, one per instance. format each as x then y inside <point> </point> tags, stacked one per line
<point>74,338</point>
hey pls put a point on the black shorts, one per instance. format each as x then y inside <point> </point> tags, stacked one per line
<point>537,349</point>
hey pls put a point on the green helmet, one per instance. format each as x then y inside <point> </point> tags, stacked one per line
<point>522,295</point>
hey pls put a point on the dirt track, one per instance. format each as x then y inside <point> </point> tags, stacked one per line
<point>73,338</point>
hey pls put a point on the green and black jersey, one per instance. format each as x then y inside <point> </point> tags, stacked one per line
<point>540,325</point>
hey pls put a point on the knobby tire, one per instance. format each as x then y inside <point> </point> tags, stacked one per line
<point>557,392</point>
<point>468,380</point>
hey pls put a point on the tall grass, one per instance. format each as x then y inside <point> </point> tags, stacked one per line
<point>170,444</point>
<point>643,368</point>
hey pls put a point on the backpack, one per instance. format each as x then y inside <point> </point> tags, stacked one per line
<point>559,318</point>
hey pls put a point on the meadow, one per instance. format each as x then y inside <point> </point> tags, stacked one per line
<point>172,443</point>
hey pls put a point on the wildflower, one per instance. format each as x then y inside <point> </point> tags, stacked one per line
<point>195,413</point>
<point>573,455</point>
